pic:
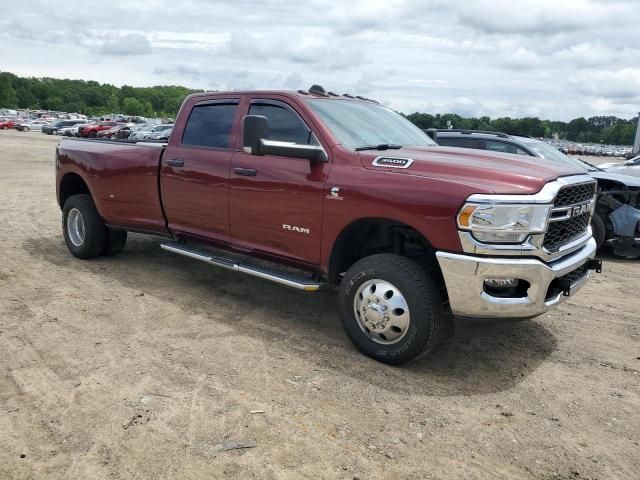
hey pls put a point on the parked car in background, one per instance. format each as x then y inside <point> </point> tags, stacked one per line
<point>615,191</point>
<point>158,131</point>
<point>91,130</point>
<point>114,132</point>
<point>53,127</point>
<point>6,124</point>
<point>138,129</point>
<point>32,125</point>
<point>142,130</point>
<point>70,131</point>
<point>161,134</point>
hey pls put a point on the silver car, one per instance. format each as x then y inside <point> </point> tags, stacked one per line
<point>33,125</point>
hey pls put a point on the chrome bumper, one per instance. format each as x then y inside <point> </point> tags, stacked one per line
<point>464,276</point>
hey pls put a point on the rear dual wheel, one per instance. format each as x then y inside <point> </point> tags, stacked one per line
<point>391,308</point>
<point>84,231</point>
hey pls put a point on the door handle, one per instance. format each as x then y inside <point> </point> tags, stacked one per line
<point>247,172</point>
<point>175,163</point>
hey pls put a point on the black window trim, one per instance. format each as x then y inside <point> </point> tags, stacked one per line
<point>205,103</point>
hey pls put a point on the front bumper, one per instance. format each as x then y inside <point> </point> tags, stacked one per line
<point>464,276</point>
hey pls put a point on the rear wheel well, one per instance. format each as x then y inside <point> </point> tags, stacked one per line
<point>371,236</point>
<point>72,184</point>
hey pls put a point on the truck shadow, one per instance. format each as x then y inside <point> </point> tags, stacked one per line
<point>478,360</point>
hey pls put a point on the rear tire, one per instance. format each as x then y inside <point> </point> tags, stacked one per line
<point>25,129</point>
<point>391,308</point>
<point>93,134</point>
<point>83,229</point>
<point>599,230</point>
<point>116,240</point>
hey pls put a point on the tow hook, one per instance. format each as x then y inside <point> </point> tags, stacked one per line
<point>594,264</point>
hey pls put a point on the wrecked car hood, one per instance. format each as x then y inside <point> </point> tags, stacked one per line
<point>627,180</point>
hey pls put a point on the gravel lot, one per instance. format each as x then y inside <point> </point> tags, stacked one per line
<point>149,365</point>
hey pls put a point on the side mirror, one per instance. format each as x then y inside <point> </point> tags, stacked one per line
<point>254,129</point>
<point>255,141</point>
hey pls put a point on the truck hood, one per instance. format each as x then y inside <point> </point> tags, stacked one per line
<point>488,172</point>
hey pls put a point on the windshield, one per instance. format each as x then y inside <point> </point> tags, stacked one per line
<point>360,123</point>
<point>544,150</point>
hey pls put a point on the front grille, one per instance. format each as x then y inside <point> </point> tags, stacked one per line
<point>563,232</point>
<point>575,194</point>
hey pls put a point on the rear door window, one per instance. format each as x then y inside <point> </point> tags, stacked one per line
<point>460,142</point>
<point>504,147</point>
<point>209,125</point>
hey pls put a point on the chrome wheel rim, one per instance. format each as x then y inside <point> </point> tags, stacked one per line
<point>381,311</point>
<point>75,227</point>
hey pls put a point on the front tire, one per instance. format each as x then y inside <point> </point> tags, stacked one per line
<point>25,129</point>
<point>599,230</point>
<point>84,231</point>
<point>390,308</point>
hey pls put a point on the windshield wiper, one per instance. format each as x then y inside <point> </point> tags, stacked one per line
<point>591,168</point>
<point>382,146</point>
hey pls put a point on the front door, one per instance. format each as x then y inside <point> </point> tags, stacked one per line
<point>275,203</point>
<point>195,171</point>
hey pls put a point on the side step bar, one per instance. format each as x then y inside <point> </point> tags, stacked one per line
<point>257,271</point>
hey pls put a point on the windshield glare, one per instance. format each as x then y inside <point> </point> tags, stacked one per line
<point>360,123</point>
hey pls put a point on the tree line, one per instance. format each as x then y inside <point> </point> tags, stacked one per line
<point>599,129</point>
<point>93,98</point>
<point>89,97</point>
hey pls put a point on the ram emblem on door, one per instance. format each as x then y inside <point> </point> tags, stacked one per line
<point>293,228</point>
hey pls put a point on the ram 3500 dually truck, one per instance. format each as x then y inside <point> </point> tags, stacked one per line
<point>310,188</point>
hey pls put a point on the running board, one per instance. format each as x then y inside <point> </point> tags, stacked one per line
<point>229,264</point>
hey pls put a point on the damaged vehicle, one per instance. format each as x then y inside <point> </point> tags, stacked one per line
<point>616,219</point>
<point>630,167</point>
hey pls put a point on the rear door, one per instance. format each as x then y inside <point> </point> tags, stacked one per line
<point>276,202</point>
<point>195,171</point>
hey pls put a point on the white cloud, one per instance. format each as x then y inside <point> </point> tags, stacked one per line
<point>553,59</point>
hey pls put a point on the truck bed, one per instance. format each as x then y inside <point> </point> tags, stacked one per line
<point>123,178</point>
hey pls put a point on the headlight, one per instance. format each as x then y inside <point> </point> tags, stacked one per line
<point>503,223</point>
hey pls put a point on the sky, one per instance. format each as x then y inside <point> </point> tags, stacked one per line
<point>555,59</point>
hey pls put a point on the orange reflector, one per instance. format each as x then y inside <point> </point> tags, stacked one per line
<point>465,215</point>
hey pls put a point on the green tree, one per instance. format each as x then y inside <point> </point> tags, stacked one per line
<point>8,96</point>
<point>133,106</point>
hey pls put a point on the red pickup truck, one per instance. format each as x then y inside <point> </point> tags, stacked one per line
<point>91,129</point>
<point>310,189</point>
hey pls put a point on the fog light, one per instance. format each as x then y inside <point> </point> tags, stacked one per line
<point>501,282</point>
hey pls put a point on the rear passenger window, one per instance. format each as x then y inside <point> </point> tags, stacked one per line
<point>284,125</point>
<point>458,142</point>
<point>210,125</point>
<point>504,147</point>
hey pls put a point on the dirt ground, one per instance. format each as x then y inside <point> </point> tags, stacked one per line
<point>148,365</point>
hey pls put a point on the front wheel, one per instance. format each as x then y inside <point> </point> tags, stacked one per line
<point>390,308</point>
<point>84,231</point>
<point>25,129</point>
<point>599,230</point>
